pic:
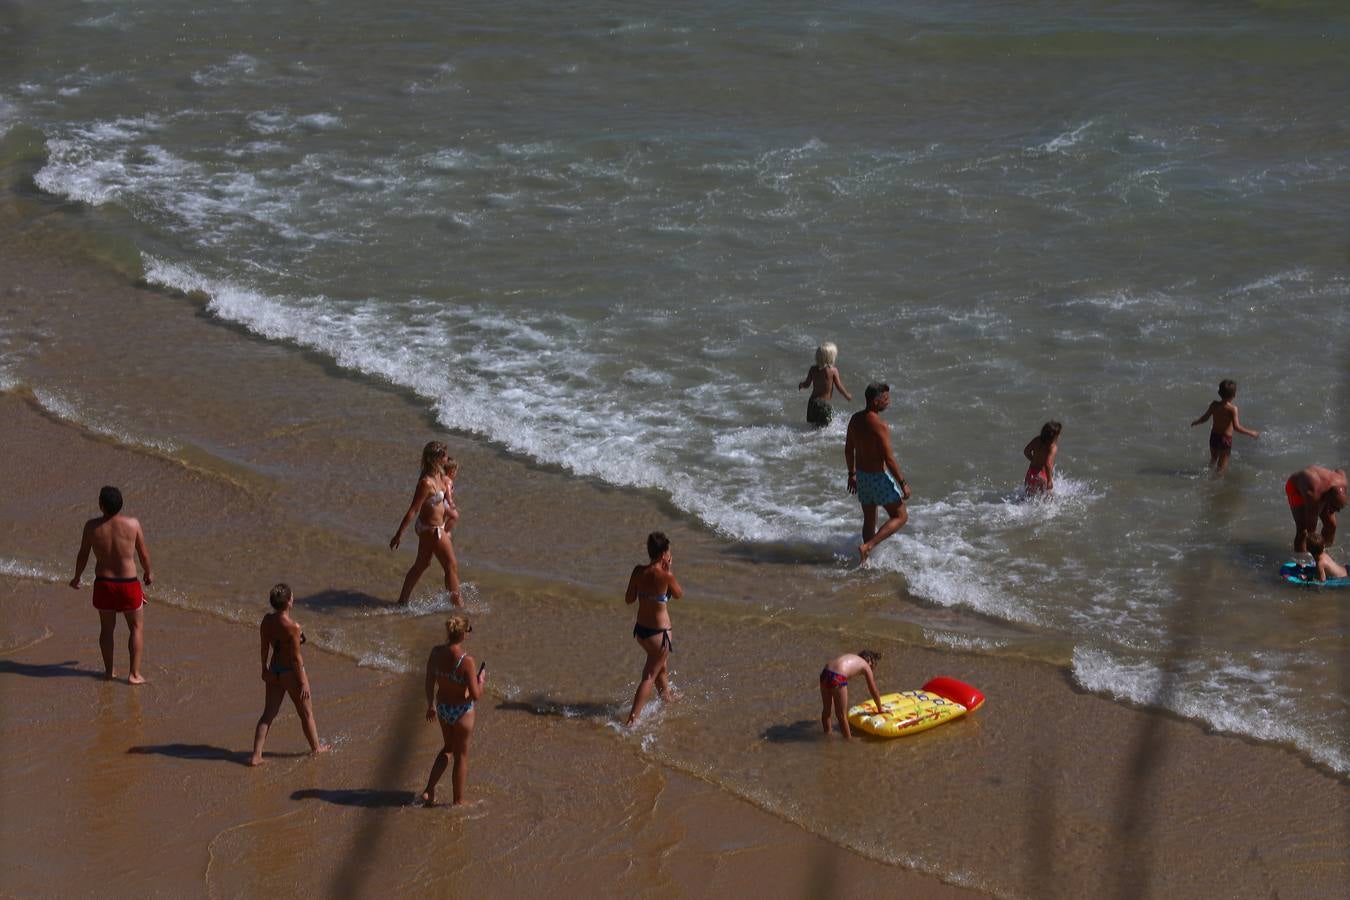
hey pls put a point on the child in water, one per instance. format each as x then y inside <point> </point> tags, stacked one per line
<point>822,379</point>
<point>1040,452</point>
<point>1326,566</point>
<point>1225,415</point>
<point>834,686</point>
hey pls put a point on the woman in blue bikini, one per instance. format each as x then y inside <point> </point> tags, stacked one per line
<point>651,587</point>
<point>284,672</point>
<point>455,687</point>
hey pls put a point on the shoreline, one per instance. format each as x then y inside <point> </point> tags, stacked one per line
<point>1021,766</point>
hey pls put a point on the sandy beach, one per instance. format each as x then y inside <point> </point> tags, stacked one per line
<point>1048,791</point>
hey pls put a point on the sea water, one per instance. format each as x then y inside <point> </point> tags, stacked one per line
<point>609,239</point>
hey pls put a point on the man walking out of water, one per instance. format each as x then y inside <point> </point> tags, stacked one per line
<point>116,541</point>
<point>873,473</point>
<point>1315,493</point>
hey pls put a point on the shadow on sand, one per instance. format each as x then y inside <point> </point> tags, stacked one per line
<point>367,798</point>
<point>203,752</point>
<point>540,705</point>
<point>796,733</point>
<point>48,670</point>
<point>336,599</point>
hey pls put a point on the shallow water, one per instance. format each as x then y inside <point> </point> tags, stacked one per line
<point>607,246</point>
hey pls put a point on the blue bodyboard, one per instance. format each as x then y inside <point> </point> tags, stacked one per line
<point>1294,573</point>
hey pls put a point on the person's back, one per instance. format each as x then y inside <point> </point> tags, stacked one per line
<point>1040,452</point>
<point>1326,566</point>
<point>1224,414</point>
<point>113,542</point>
<point>823,378</point>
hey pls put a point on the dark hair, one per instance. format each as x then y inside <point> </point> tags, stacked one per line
<point>1050,432</point>
<point>280,594</point>
<point>875,390</point>
<point>871,657</point>
<point>657,544</point>
<point>1227,389</point>
<point>1315,545</point>
<point>110,500</point>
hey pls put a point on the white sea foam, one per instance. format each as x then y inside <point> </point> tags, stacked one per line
<point>1246,698</point>
<point>15,568</point>
<point>1067,139</point>
<point>241,65</point>
<point>73,411</point>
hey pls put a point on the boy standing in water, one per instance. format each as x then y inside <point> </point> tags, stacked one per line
<point>116,541</point>
<point>1225,415</point>
<point>822,379</point>
<point>834,686</point>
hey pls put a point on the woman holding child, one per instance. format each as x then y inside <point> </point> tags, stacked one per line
<point>434,512</point>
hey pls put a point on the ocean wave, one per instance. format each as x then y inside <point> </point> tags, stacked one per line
<point>15,568</point>
<point>1244,698</point>
<point>75,413</point>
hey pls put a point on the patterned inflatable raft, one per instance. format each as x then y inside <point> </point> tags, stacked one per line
<point>909,712</point>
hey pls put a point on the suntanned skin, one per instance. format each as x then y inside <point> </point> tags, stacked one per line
<point>850,665</point>
<point>867,448</point>
<point>1328,567</point>
<point>428,545</point>
<point>653,579</point>
<point>1324,494</point>
<point>443,658</point>
<point>823,380</point>
<point>1042,456</point>
<point>280,634</point>
<point>116,542</point>
<point>1225,416</point>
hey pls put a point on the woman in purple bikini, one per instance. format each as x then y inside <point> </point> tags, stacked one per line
<point>652,587</point>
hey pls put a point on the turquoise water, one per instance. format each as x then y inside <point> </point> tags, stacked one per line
<point>610,241</point>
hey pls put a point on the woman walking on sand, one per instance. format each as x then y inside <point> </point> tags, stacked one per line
<point>284,673</point>
<point>652,587</point>
<point>453,687</point>
<point>433,508</point>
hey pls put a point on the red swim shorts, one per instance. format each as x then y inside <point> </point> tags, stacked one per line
<point>117,594</point>
<point>1295,498</point>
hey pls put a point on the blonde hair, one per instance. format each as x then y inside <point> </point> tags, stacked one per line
<point>826,354</point>
<point>456,627</point>
<point>451,466</point>
<point>433,451</point>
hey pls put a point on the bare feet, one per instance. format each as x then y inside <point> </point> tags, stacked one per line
<point>322,748</point>
<point>429,797</point>
<point>256,761</point>
<point>456,599</point>
<point>863,551</point>
<point>109,676</point>
<point>136,679</point>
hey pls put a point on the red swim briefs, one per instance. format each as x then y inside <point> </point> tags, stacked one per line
<point>1295,498</point>
<point>117,594</point>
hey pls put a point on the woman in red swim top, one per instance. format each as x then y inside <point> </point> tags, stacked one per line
<point>1040,452</point>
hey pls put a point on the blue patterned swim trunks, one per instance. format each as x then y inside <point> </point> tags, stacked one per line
<point>878,489</point>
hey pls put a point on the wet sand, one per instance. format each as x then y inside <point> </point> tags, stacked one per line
<point>1047,791</point>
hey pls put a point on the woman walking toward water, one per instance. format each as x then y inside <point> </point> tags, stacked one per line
<point>284,673</point>
<point>433,508</point>
<point>453,687</point>
<point>652,587</point>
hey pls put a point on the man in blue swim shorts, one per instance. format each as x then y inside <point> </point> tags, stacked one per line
<point>873,473</point>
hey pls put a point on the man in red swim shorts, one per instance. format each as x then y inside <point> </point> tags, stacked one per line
<point>1315,493</point>
<point>116,541</point>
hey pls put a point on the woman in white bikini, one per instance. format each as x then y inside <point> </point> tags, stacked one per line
<point>453,686</point>
<point>434,513</point>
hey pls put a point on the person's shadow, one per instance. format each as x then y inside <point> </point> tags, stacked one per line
<point>208,753</point>
<point>47,670</point>
<point>540,705</point>
<point>367,798</point>
<point>334,599</point>
<point>797,733</point>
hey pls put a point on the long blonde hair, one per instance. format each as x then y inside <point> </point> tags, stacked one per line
<point>432,452</point>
